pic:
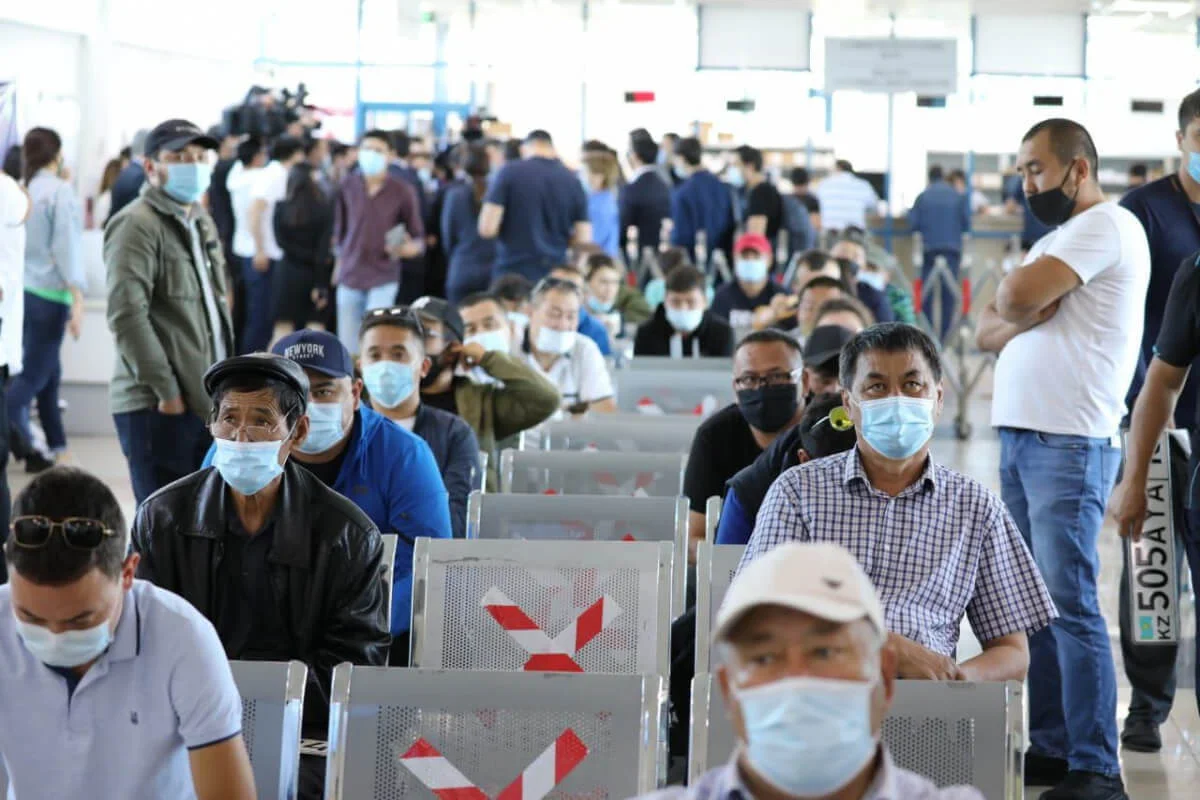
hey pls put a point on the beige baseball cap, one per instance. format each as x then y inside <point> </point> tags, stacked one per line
<point>818,578</point>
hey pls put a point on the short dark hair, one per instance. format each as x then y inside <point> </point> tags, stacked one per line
<point>890,337</point>
<point>285,147</point>
<point>644,148</point>
<point>672,258</point>
<point>513,287</point>
<point>479,298</point>
<point>821,282</point>
<point>400,143</point>
<point>290,401</point>
<point>844,165</point>
<point>1189,109</point>
<point>957,175</point>
<point>770,336</point>
<point>59,493</point>
<point>247,149</point>
<point>512,150</point>
<point>685,278</point>
<point>598,261</point>
<point>379,135</point>
<point>814,260</point>
<point>1139,170</point>
<point>571,268</point>
<point>850,304</point>
<point>670,135</point>
<point>751,157</point>
<point>799,176</point>
<point>1069,140</point>
<point>936,173</point>
<point>338,149</point>
<point>689,150</point>
<point>539,135</point>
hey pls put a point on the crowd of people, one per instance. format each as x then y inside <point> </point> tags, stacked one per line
<point>317,342</point>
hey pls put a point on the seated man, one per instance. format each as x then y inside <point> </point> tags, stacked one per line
<point>935,543</point>
<point>766,375</point>
<point>497,394</point>
<point>572,362</point>
<point>753,288</point>
<point>808,679</point>
<point>514,292</point>
<point>386,471</point>
<point>845,312</point>
<point>589,326</point>
<point>283,566</point>
<point>87,650</point>
<point>852,248</point>
<point>812,296</point>
<point>683,327</point>
<point>393,362</point>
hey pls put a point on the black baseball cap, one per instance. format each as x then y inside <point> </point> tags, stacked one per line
<point>825,344</point>
<point>319,351</point>
<point>176,134</point>
<point>265,365</point>
<point>437,309</point>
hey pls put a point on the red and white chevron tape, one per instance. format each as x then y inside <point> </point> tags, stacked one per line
<point>546,654</point>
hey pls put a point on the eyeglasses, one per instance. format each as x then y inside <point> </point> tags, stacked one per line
<point>79,533</point>
<point>229,431</point>
<point>760,381</point>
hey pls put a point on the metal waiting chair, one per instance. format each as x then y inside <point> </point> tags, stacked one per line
<point>415,734</point>
<point>592,473</point>
<point>583,518</point>
<point>671,435</point>
<point>272,707</point>
<point>716,564</point>
<point>390,542</point>
<point>712,518</point>
<point>696,386</point>
<point>949,731</point>
<point>599,607</point>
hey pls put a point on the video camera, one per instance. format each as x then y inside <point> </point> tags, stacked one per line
<point>267,114</point>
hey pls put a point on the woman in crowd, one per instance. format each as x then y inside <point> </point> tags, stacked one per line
<point>610,299</point>
<point>54,283</point>
<point>603,177</point>
<point>304,230</point>
<point>103,205</point>
<point>469,255</point>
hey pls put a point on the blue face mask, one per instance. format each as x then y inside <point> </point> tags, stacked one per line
<point>897,427</point>
<point>324,428</point>
<point>389,382</point>
<point>248,466</point>
<point>751,270</point>
<point>66,649</point>
<point>600,308</point>
<point>734,177</point>
<point>679,173</point>
<point>685,320</point>
<point>808,736</point>
<point>187,183</point>
<point>371,162</point>
<point>1194,166</point>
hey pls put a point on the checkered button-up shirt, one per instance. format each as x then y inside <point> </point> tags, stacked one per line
<point>944,546</point>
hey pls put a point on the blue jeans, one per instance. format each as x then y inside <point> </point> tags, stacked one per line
<point>43,330</point>
<point>160,448</point>
<point>353,305</point>
<point>1056,488</point>
<point>950,307</point>
<point>259,320</point>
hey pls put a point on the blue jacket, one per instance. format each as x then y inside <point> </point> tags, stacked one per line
<point>594,329</point>
<point>391,475</point>
<point>702,202</point>
<point>470,255</point>
<point>456,452</point>
<point>942,216</point>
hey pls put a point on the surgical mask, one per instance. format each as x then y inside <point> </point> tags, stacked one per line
<point>187,183</point>
<point>324,428</point>
<point>876,280</point>
<point>600,307</point>
<point>751,270</point>
<point>808,736</point>
<point>557,342</point>
<point>425,174</point>
<point>490,341</point>
<point>1194,166</point>
<point>768,408</point>
<point>518,318</point>
<point>734,177</point>
<point>679,173</point>
<point>685,320</point>
<point>897,427</point>
<point>247,466</point>
<point>371,162</point>
<point>66,649</point>
<point>389,382</point>
<point>1052,207</point>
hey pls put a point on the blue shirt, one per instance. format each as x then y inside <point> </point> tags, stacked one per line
<point>736,525</point>
<point>162,688</point>
<point>702,203</point>
<point>941,215</point>
<point>470,256</point>
<point>594,329</point>
<point>53,233</point>
<point>391,475</point>
<point>542,201</point>
<point>606,221</point>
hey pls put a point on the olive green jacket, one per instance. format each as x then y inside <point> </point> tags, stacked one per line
<point>156,309</point>
<point>632,305</point>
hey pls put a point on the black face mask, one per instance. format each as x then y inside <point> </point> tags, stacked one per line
<point>435,372</point>
<point>1052,207</point>
<point>769,408</point>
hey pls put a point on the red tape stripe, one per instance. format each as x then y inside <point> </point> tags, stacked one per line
<point>589,624</point>
<point>421,749</point>
<point>551,662</point>
<point>461,793</point>
<point>512,618</point>
<point>514,791</point>
<point>569,754</point>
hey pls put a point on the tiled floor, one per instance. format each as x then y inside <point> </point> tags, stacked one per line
<point>1173,774</point>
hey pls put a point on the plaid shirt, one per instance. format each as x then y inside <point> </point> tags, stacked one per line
<point>943,546</point>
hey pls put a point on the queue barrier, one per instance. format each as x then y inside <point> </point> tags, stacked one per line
<point>272,710</point>
<point>592,473</point>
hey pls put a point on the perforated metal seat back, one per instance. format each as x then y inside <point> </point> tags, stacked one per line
<point>601,607</point>
<point>592,473</point>
<point>716,564</point>
<point>671,435</point>
<point>654,391</point>
<point>272,705</point>
<point>407,734</point>
<point>660,364</point>
<point>576,518</point>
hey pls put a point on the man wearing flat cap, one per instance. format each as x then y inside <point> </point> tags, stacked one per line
<point>283,566</point>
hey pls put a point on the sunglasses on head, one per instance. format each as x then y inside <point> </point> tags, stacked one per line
<point>403,314</point>
<point>80,533</point>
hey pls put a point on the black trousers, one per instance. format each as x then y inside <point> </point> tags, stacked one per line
<point>5,496</point>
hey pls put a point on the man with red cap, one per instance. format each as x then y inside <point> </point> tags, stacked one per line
<point>753,287</point>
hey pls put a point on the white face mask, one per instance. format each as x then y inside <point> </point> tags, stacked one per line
<point>66,649</point>
<point>552,341</point>
<point>490,341</point>
<point>876,280</point>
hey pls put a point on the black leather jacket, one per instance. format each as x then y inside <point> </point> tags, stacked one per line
<point>326,570</point>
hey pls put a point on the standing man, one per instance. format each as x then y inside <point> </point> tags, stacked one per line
<point>942,216</point>
<point>15,208</point>
<point>167,310</point>
<point>701,202</point>
<point>1067,325</point>
<point>376,222</point>
<point>132,176</point>
<point>646,200</point>
<point>666,159</point>
<point>764,203</point>
<point>535,209</point>
<point>800,184</point>
<point>1167,210</point>
<point>846,199</point>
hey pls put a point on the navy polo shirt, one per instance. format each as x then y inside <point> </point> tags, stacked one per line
<point>941,215</point>
<point>1173,231</point>
<point>542,201</point>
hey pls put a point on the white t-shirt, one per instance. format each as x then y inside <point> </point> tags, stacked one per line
<point>14,207</point>
<point>270,185</point>
<point>240,183</point>
<point>581,375</point>
<point>1070,374</point>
